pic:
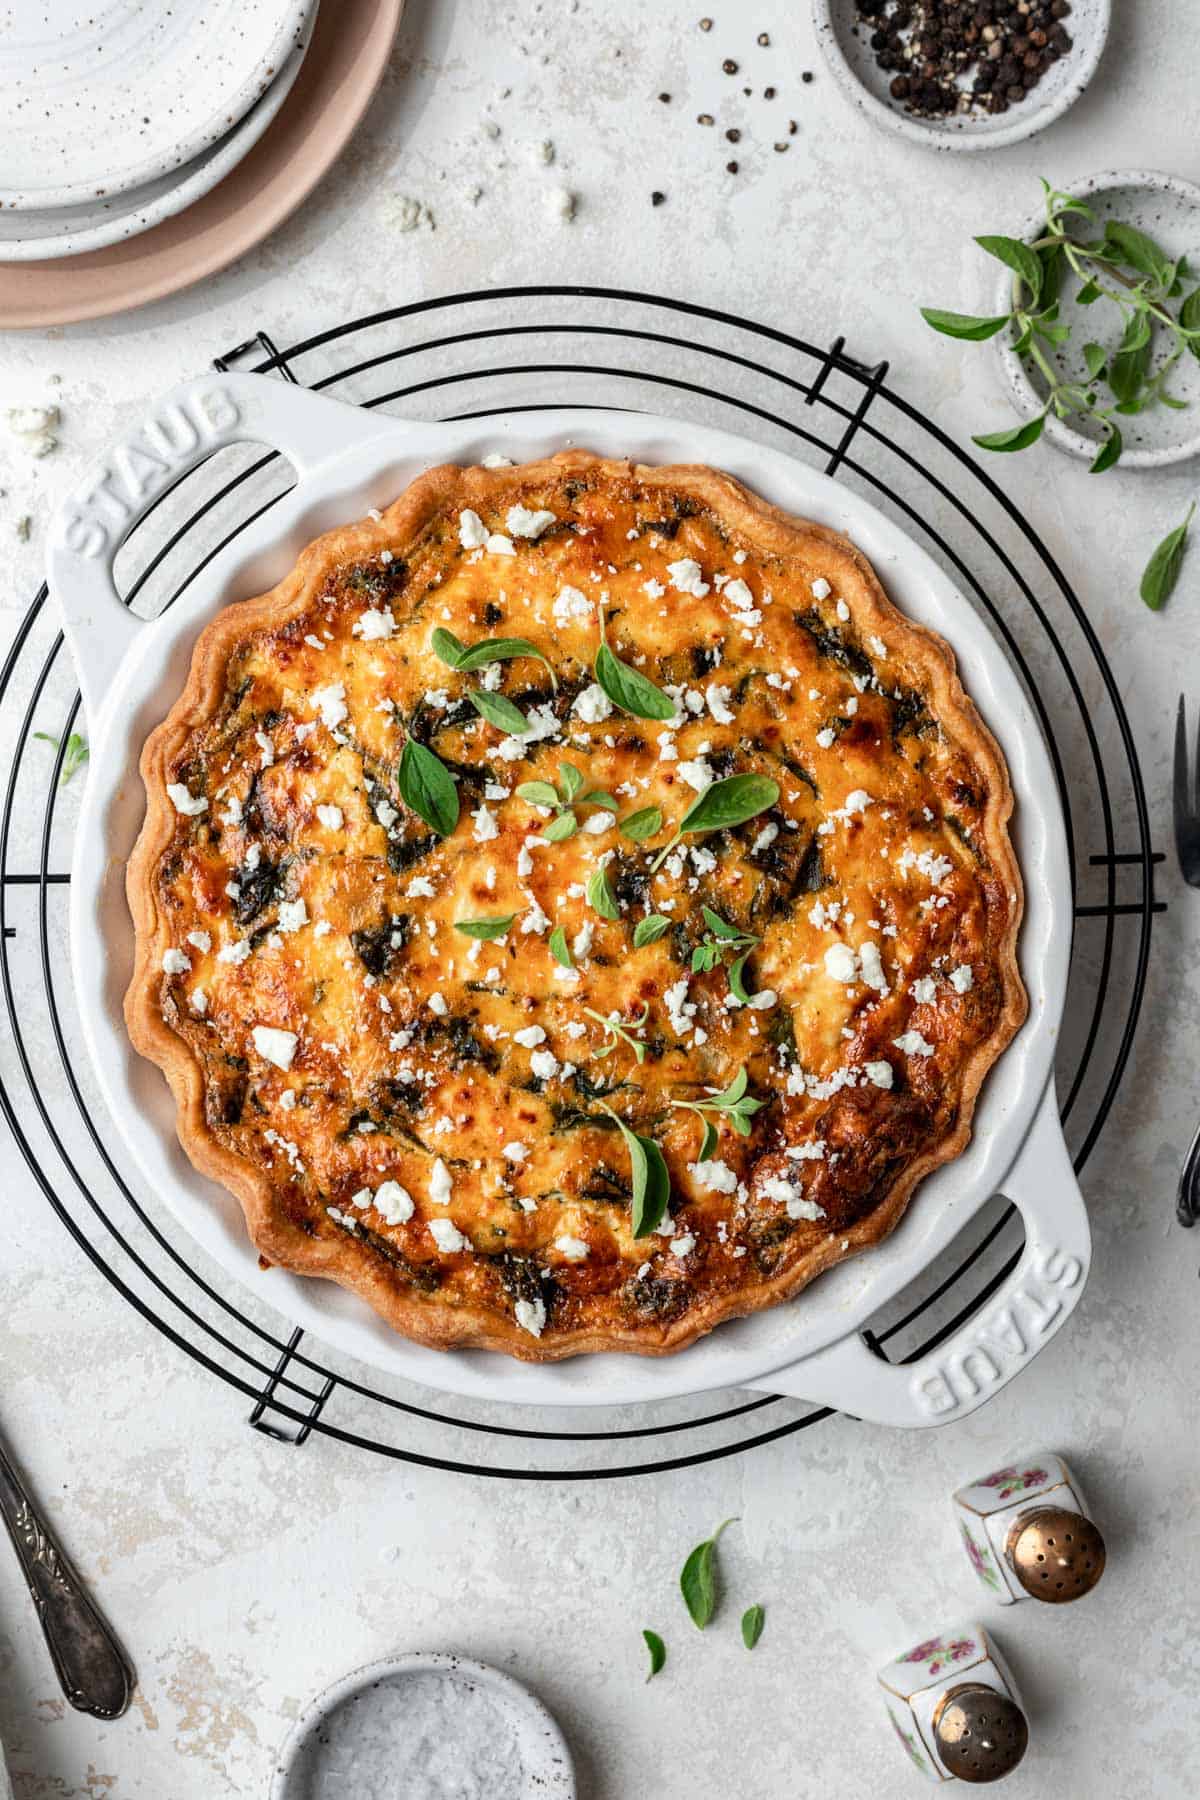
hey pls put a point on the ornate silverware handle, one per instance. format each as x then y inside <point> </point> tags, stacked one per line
<point>95,1673</point>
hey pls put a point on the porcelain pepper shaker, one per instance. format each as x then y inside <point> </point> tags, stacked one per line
<point>1027,1533</point>
<point>954,1706</point>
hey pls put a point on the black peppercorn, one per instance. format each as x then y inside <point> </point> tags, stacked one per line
<point>732,167</point>
<point>734,135</point>
<point>657,198</point>
<point>729,66</point>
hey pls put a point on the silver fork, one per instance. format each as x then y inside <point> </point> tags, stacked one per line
<point>1187,843</point>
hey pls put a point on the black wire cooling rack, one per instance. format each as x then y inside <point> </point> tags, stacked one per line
<point>485,355</point>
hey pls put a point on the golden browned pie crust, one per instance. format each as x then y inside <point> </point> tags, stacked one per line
<point>424,1117</point>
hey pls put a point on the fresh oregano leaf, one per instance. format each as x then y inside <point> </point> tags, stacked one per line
<point>963,325</point>
<point>570,780</point>
<point>642,824</point>
<point>718,926</point>
<point>1109,451</point>
<point>698,1580</point>
<point>658,1652</point>
<point>598,797</point>
<point>752,1624</point>
<point>499,712</point>
<point>1019,258</point>
<point>560,950</point>
<point>1095,356</point>
<point>708,1140</point>
<point>648,931</point>
<point>729,802</point>
<point>650,1179</point>
<point>1139,251</point>
<point>1162,571</point>
<point>736,985</point>
<point>629,689</point>
<point>446,647</point>
<point>538,793</point>
<point>1189,318</point>
<point>561,828</point>
<point>1020,437</point>
<point>600,896</point>
<point>484,929</point>
<point>427,786</point>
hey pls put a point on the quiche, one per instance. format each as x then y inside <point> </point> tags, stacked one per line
<point>574,907</point>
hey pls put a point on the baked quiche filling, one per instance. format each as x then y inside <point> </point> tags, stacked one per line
<point>575,907</point>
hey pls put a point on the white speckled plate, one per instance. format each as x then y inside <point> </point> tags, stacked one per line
<point>99,99</point>
<point>36,234</point>
<point>421,1726</point>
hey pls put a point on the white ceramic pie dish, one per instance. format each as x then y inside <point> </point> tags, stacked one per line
<point>130,672</point>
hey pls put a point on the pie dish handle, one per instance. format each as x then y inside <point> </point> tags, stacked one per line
<point>983,1354</point>
<point>181,430</point>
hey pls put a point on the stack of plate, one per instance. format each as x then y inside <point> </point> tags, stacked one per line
<point>120,115</point>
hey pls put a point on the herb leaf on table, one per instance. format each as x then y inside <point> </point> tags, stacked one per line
<point>658,1652</point>
<point>698,1579</point>
<point>1162,571</point>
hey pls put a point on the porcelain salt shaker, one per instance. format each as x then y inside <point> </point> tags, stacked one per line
<point>1026,1531</point>
<point>955,1708</point>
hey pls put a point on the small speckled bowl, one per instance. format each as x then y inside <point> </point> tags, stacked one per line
<point>1168,209</point>
<point>344,1741</point>
<point>844,36</point>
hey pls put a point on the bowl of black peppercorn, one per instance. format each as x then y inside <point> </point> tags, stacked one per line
<point>962,74</point>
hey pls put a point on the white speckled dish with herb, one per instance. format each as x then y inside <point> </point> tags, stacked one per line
<point>1167,208</point>
<point>425,1726</point>
<point>844,36</point>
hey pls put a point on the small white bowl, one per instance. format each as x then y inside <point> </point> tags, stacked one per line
<point>844,37</point>
<point>347,1741</point>
<point>1168,209</point>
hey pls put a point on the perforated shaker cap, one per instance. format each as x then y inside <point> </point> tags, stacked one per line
<point>1056,1554</point>
<point>981,1734</point>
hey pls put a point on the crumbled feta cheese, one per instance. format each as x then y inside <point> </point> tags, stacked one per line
<point>738,595</point>
<point>531,1316</point>
<point>570,603</point>
<point>683,1246</point>
<point>440,1185</point>
<point>499,545</point>
<point>189,805</point>
<point>687,578</point>
<point>841,964</point>
<point>331,817</point>
<point>573,1248</point>
<point>437,1004</point>
<point>821,589</point>
<point>843,611</point>
<point>237,952</point>
<point>935,868</point>
<point>593,705</point>
<point>275,1046</point>
<point>174,962</point>
<point>872,966</point>
<point>924,990</point>
<point>446,1235</point>
<point>201,940</point>
<point>374,625</point>
<point>529,1037</point>
<point>680,1010</point>
<point>486,827</point>
<point>544,1064</point>
<point>199,1003</point>
<point>598,822</point>
<point>525,524</point>
<point>515,1152</point>
<point>962,980</point>
<point>392,1202</point>
<point>826,737</point>
<point>877,646</point>
<point>472,532</point>
<point>880,1073</point>
<point>718,699</point>
<point>913,1044</point>
<point>330,702</point>
<point>715,1176</point>
<point>653,589</point>
<point>697,774</point>
<point>420,888</point>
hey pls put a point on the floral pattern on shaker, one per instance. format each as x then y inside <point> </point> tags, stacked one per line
<point>936,1655</point>
<point>909,1740</point>
<point>1014,1481</point>
<point>980,1558</point>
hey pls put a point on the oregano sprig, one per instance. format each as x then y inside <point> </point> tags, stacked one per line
<point>735,1104</point>
<point>1162,571</point>
<point>651,1180</point>
<point>620,1032</point>
<point>1122,265</point>
<point>721,938</point>
<point>75,754</point>
<point>563,800</point>
<point>464,658</point>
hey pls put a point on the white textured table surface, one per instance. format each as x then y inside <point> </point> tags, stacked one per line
<point>244,1575</point>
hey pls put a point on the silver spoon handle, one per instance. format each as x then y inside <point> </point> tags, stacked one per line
<point>95,1673</point>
